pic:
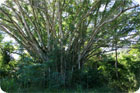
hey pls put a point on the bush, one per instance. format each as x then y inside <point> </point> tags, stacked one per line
<point>8,84</point>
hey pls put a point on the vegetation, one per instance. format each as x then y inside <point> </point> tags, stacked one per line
<point>70,46</point>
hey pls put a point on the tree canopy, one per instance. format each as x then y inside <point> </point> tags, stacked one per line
<point>70,25</point>
<point>66,37</point>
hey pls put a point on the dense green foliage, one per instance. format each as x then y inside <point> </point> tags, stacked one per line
<point>97,75</point>
<point>70,45</point>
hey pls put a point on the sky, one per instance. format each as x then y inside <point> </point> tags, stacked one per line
<point>138,1</point>
<point>1,1</point>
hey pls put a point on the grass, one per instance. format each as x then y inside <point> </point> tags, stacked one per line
<point>42,90</point>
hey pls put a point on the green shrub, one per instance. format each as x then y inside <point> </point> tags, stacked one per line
<point>9,84</point>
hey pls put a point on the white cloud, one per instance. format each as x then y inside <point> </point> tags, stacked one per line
<point>1,1</point>
<point>138,1</point>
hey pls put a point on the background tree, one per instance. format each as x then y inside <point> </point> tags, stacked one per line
<point>71,27</point>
